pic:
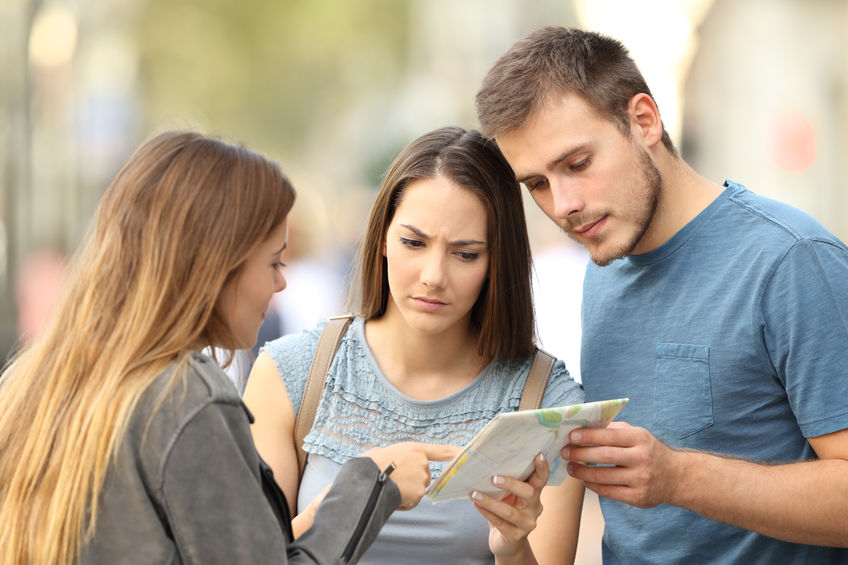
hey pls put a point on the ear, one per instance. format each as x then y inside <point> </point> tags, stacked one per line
<point>384,248</point>
<point>645,121</point>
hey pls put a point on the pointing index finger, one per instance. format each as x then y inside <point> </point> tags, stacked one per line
<point>440,452</point>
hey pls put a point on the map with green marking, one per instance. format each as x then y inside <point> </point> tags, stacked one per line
<point>509,442</point>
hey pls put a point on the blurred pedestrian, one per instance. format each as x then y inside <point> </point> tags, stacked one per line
<point>40,281</point>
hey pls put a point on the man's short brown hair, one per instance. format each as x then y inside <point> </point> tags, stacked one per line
<point>558,59</point>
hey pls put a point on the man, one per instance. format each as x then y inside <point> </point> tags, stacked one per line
<point>721,314</point>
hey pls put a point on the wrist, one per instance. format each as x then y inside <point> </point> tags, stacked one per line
<point>683,476</point>
<point>520,554</point>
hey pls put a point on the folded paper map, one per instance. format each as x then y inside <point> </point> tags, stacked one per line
<point>508,443</point>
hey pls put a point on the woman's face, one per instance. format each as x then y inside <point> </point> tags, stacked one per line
<point>247,296</point>
<point>437,254</point>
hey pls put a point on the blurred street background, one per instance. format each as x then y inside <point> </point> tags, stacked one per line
<point>752,90</point>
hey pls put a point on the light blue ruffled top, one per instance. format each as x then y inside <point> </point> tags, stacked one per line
<point>361,409</point>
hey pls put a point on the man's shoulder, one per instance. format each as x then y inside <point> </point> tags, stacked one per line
<point>775,218</point>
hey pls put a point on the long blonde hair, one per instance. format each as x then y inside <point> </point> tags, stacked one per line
<point>175,225</point>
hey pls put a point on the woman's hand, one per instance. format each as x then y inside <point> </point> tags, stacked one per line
<point>512,517</point>
<point>305,519</point>
<point>412,468</point>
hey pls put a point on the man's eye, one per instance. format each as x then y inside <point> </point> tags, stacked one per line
<point>580,165</point>
<point>536,184</point>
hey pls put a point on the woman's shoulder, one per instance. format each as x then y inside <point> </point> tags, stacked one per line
<point>292,354</point>
<point>201,381</point>
<point>301,344</point>
<point>561,388</point>
<point>173,402</point>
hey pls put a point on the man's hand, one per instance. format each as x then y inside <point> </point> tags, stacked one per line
<point>634,466</point>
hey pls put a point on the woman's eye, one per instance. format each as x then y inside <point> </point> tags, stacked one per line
<point>278,265</point>
<point>468,255</point>
<point>411,242</point>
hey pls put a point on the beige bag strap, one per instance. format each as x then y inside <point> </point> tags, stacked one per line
<point>328,343</point>
<point>537,380</point>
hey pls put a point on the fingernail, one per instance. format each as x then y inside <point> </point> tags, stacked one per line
<point>576,436</point>
<point>498,480</point>
<point>566,452</point>
<point>570,469</point>
<point>542,458</point>
<point>476,495</point>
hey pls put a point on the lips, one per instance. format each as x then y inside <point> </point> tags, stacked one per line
<point>429,300</point>
<point>590,230</point>
<point>428,303</point>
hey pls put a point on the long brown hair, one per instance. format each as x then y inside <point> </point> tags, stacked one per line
<point>558,59</point>
<point>503,313</point>
<point>175,225</point>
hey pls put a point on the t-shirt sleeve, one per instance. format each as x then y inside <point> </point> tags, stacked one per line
<point>562,389</point>
<point>805,327</point>
<point>292,355</point>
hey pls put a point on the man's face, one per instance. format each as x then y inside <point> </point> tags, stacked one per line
<point>598,185</point>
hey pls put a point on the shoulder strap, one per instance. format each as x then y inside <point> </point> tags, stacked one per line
<point>537,380</point>
<point>328,343</point>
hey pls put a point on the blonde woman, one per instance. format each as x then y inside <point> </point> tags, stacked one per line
<point>120,442</point>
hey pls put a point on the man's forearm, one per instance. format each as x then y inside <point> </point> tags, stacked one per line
<point>803,502</point>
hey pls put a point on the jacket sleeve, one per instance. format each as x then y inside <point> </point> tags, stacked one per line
<point>349,518</point>
<point>217,512</point>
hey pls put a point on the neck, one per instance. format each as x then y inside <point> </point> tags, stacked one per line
<point>685,194</point>
<point>425,366</point>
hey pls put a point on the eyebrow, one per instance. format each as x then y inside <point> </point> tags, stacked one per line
<point>283,248</point>
<point>556,161</point>
<point>457,243</point>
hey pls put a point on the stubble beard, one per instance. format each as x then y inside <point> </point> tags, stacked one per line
<point>638,212</point>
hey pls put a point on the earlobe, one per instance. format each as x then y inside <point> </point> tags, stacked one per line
<point>645,119</point>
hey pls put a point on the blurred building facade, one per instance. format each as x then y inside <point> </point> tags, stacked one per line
<point>753,90</point>
<point>767,102</point>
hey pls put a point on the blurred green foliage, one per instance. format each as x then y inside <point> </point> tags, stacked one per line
<point>266,71</point>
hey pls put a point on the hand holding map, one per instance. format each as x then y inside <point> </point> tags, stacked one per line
<point>509,442</point>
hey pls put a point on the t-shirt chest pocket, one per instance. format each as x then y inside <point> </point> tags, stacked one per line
<point>683,402</point>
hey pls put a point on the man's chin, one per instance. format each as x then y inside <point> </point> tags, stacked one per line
<point>603,255</point>
<point>605,260</point>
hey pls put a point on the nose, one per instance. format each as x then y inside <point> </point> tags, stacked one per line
<point>280,282</point>
<point>433,269</point>
<point>566,200</point>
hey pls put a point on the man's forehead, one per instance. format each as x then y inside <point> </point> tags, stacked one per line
<point>529,154</point>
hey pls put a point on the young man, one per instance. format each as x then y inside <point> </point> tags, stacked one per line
<point>721,314</point>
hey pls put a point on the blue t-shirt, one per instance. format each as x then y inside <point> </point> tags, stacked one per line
<point>361,409</point>
<point>731,338</point>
